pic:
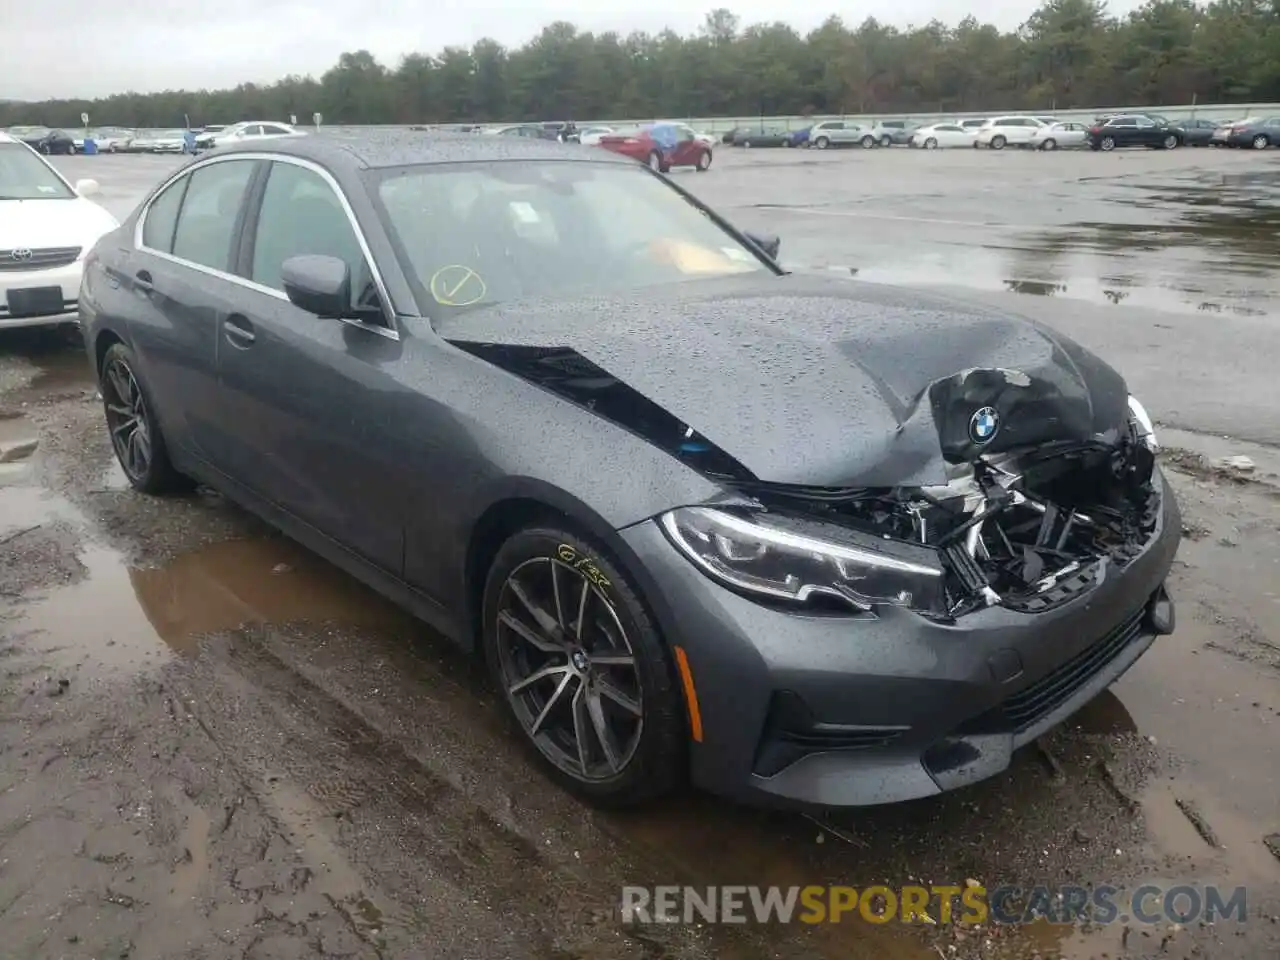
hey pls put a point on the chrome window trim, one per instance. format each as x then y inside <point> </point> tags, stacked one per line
<point>389,330</point>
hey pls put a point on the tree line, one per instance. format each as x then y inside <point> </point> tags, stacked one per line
<point>1069,54</point>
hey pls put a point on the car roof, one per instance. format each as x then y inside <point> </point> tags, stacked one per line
<point>378,149</point>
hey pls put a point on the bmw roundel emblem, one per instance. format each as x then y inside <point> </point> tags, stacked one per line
<point>983,425</point>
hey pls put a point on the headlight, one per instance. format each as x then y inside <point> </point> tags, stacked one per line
<point>1142,422</point>
<point>793,560</point>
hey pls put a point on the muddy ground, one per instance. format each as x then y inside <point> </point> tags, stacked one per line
<point>213,745</point>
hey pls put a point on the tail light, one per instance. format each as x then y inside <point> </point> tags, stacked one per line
<point>1095,129</point>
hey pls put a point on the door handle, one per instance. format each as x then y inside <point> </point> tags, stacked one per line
<point>142,281</point>
<point>238,331</point>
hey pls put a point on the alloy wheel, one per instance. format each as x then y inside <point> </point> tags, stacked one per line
<point>1260,142</point>
<point>568,669</point>
<point>1049,144</point>
<point>127,418</point>
<point>1108,143</point>
<point>1170,142</point>
<point>931,144</point>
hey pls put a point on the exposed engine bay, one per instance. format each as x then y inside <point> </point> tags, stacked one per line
<point>1027,528</point>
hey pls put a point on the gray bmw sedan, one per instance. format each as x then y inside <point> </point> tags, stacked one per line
<point>801,540</point>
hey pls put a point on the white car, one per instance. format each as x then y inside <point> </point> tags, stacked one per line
<point>166,141</point>
<point>248,130</point>
<point>108,140</point>
<point>46,228</point>
<point>999,132</point>
<point>942,135</point>
<point>1055,136</point>
<point>591,135</point>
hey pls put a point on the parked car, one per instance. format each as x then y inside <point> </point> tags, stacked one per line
<point>798,138</point>
<point>44,140</point>
<point>761,137</point>
<point>889,133</point>
<point>1255,132</point>
<point>248,130</point>
<point>973,124</point>
<point>525,131</point>
<point>558,420</point>
<point>940,136</point>
<point>1196,131</point>
<point>999,132</point>
<point>1133,130</point>
<point>840,133</point>
<point>175,140</point>
<point>662,146</point>
<point>1061,134</point>
<point>591,135</point>
<point>107,140</point>
<point>46,227</point>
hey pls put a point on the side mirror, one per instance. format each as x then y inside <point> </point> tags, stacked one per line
<point>770,244</point>
<point>87,188</point>
<point>319,285</point>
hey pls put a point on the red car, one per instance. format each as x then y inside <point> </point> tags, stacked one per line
<point>662,146</point>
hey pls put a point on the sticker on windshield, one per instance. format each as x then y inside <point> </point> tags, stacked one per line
<point>524,212</point>
<point>44,188</point>
<point>456,286</point>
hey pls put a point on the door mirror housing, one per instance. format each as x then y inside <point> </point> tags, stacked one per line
<point>87,188</point>
<point>769,243</point>
<point>318,284</point>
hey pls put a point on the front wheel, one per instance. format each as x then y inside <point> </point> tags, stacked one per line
<point>868,142</point>
<point>931,143</point>
<point>704,161</point>
<point>822,143</point>
<point>1170,142</point>
<point>886,141</point>
<point>135,432</point>
<point>655,161</point>
<point>1260,142</point>
<point>998,142</point>
<point>1108,144</point>
<point>582,668</point>
<point>1049,144</point>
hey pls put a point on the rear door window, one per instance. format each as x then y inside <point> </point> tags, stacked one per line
<point>210,209</point>
<point>162,217</point>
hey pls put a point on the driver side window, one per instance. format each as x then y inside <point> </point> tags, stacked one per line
<point>302,215</point>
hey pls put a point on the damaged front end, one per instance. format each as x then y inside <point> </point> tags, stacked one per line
<point>1025,529</point>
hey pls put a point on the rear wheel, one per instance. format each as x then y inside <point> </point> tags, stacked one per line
<point>1108,144</point>
<point>135,432</point>
<point>1260,142</point>
<point>582,668</point>
<point>1049,144</point>
<point>931,143</point>
<point>746,143</point>
<point>886,141</point>
<point>704,161</point>
<point>998,142</point>
<point>1171,142</point>
<point>868,142</point>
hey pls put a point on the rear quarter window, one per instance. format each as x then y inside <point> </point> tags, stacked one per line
<point>161,219</point>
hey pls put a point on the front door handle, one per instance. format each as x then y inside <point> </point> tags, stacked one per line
<point>238,331</point>
<point>142,281</point>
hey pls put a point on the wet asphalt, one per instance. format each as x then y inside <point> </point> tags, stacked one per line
<point>212,744</point>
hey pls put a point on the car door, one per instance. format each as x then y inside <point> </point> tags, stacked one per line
<point>687,148</point>
<point>178,272</point>
<point>950,135</point>
<point>1147,133</point>
<point>308,396</point>
<point>1123,130</point>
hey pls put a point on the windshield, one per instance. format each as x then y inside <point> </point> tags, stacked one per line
<point>24,176</point>
<point>479,234</point>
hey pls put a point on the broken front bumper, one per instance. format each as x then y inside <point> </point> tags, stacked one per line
<point>836,710</point>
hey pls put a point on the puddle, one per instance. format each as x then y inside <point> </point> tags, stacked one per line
<point>18,444</point>
<point>123,618</point>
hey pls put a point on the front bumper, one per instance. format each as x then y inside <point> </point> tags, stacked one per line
<point>66,277</point>
<point>821,710</point>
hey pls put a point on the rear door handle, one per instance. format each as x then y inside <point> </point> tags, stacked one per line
<point>238,331</point>
<point>142,281</point>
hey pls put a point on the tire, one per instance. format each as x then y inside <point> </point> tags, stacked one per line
<point>655,161</point>
<point>1049,144</point>
<point>822,143</point>
<point>931,143</point>
<point>886,141</point>
<point>1261,142</point>
<point>704,161</point>
<point>1107,144</point>
<point>998,142</point>
<point>747,144</point>
<point>868,142</point>
<point>1170,142</point>
<point>646,728</point>
<point>126,400</point>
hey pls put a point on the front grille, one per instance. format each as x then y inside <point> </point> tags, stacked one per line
<point>41,258</point>
<point>1026,707</point>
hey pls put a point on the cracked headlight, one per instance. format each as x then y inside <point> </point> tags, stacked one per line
<point>1142,424</point>
<point>787,559</point>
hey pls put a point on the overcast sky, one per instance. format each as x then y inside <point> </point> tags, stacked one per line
<point>89,48</point>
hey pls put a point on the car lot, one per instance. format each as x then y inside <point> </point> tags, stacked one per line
<point>251,754</point>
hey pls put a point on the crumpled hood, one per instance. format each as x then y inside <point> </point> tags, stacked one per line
<point>810,380</point>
